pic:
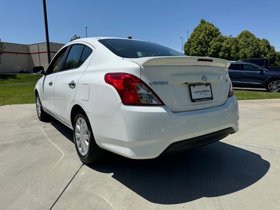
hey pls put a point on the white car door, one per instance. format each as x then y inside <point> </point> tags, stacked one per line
<point>47,93</point>
<point>50,80</point>
<point>67,80</point>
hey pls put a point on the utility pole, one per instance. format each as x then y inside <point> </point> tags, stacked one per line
<point>47,31</point>
<point>86,30</point>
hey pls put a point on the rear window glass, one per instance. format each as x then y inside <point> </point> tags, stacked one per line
<point>128,48</point>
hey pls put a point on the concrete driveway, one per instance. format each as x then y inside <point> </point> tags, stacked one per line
<point>39,168</point>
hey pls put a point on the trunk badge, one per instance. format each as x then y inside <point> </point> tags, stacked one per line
<point>204,78</point>
<point>158,83</point>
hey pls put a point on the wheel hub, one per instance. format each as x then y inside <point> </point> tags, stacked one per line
<point>82,136</point>
<point>38,106</point>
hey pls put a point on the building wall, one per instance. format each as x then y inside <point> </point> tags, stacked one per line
<point>15,58</point>
<point>22,58</point>
<point>38,53</point>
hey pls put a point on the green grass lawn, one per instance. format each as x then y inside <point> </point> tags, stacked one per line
<point>252,94</point>
<point>19,89</point>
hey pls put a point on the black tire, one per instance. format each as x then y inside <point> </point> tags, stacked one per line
<point>273,85</point>
<point>94,153</point>
<point>41,114</point>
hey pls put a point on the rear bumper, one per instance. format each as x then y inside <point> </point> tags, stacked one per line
<point>145,132</point>
<point>200,140</point>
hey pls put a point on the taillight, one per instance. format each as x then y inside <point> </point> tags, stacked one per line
<point>230,92</point>
<point>132,90</point>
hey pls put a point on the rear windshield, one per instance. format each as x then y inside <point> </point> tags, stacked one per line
<point>128,48</point>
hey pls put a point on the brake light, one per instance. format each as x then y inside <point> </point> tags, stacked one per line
<point>230,92</point>
<point>132,90</point>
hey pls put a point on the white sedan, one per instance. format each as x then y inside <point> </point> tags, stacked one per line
<point>136,98</point>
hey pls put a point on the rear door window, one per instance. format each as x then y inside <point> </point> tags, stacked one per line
<point>250,67</point>
<point>74,56</point>
<point>86,53</point>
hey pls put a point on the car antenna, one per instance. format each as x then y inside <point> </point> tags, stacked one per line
<point>130,37</point>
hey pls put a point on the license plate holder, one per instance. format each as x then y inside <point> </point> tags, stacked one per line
<point>200,92</point>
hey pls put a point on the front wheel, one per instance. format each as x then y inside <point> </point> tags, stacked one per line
<point>273,86</point>
<point>86,147</point>
<point>41,114</point>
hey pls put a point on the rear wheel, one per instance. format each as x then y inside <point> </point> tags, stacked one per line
<point>273,86</point>
<point>86,147</point>
<point>41,114</point>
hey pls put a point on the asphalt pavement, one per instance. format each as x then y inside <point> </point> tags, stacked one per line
<point>39,168</point>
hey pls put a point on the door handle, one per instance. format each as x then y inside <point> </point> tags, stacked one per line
<point>72,84</point>
<point>50,83</point>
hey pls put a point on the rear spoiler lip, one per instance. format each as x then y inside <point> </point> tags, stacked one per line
<point>180,61</point>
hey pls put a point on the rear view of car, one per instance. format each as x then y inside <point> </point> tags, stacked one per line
<point>139,99</point>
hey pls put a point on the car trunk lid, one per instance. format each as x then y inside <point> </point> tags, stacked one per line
<point>186,83</point>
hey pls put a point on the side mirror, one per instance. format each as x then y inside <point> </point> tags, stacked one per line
<point>39,69</point>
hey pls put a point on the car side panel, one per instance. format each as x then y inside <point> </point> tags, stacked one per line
<point>96,96</point>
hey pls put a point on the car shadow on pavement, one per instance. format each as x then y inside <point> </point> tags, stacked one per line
<point>65,131</point>
<point>214,170</point>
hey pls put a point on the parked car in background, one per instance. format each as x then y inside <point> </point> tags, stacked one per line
<point>136,98</point>
<point>244,74</point>
<point>262,62</point>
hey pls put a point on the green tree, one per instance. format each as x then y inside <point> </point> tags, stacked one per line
<point>278,58</point>
<point>252,47</point>
<point>230,49</point>
<point>249,45</point>
<point>75,37</point>
<point>207,40</point>
<point>225,47</point>
<point>268,51</point>
<point>215,47</point>
<point>201,38</point>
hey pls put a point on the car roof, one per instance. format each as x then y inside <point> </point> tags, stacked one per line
<point>95,39</point>
<point>242,62</point>
<point>239,62</point>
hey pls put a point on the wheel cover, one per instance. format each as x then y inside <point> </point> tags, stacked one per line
<point>82,136</point>
<point>38,106</point>
<point>274,86</point>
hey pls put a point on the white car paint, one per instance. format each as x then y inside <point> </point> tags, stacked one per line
<point>141,132</point>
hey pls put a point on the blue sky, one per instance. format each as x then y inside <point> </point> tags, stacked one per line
<point>161,21</point>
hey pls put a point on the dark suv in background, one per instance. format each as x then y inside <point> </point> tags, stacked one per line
<point>244,74</point>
